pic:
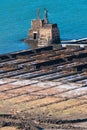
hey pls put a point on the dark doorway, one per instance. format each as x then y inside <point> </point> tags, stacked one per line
<point>35,35</point>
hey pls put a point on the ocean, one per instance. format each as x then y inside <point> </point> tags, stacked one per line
<point>16,16</point>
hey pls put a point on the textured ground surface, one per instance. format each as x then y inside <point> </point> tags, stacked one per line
<point>44,88</point>
<point>47,104</point>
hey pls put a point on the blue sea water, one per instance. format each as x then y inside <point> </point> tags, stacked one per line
<point>16,16</point>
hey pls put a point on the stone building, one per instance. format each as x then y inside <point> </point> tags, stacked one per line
<point>42,32</point>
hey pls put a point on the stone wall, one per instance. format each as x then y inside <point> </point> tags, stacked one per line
<point>45,36</point>
<point>36,24</point>
<point>55,35</point>
<point>42,33</point>
<point>31,34</point>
